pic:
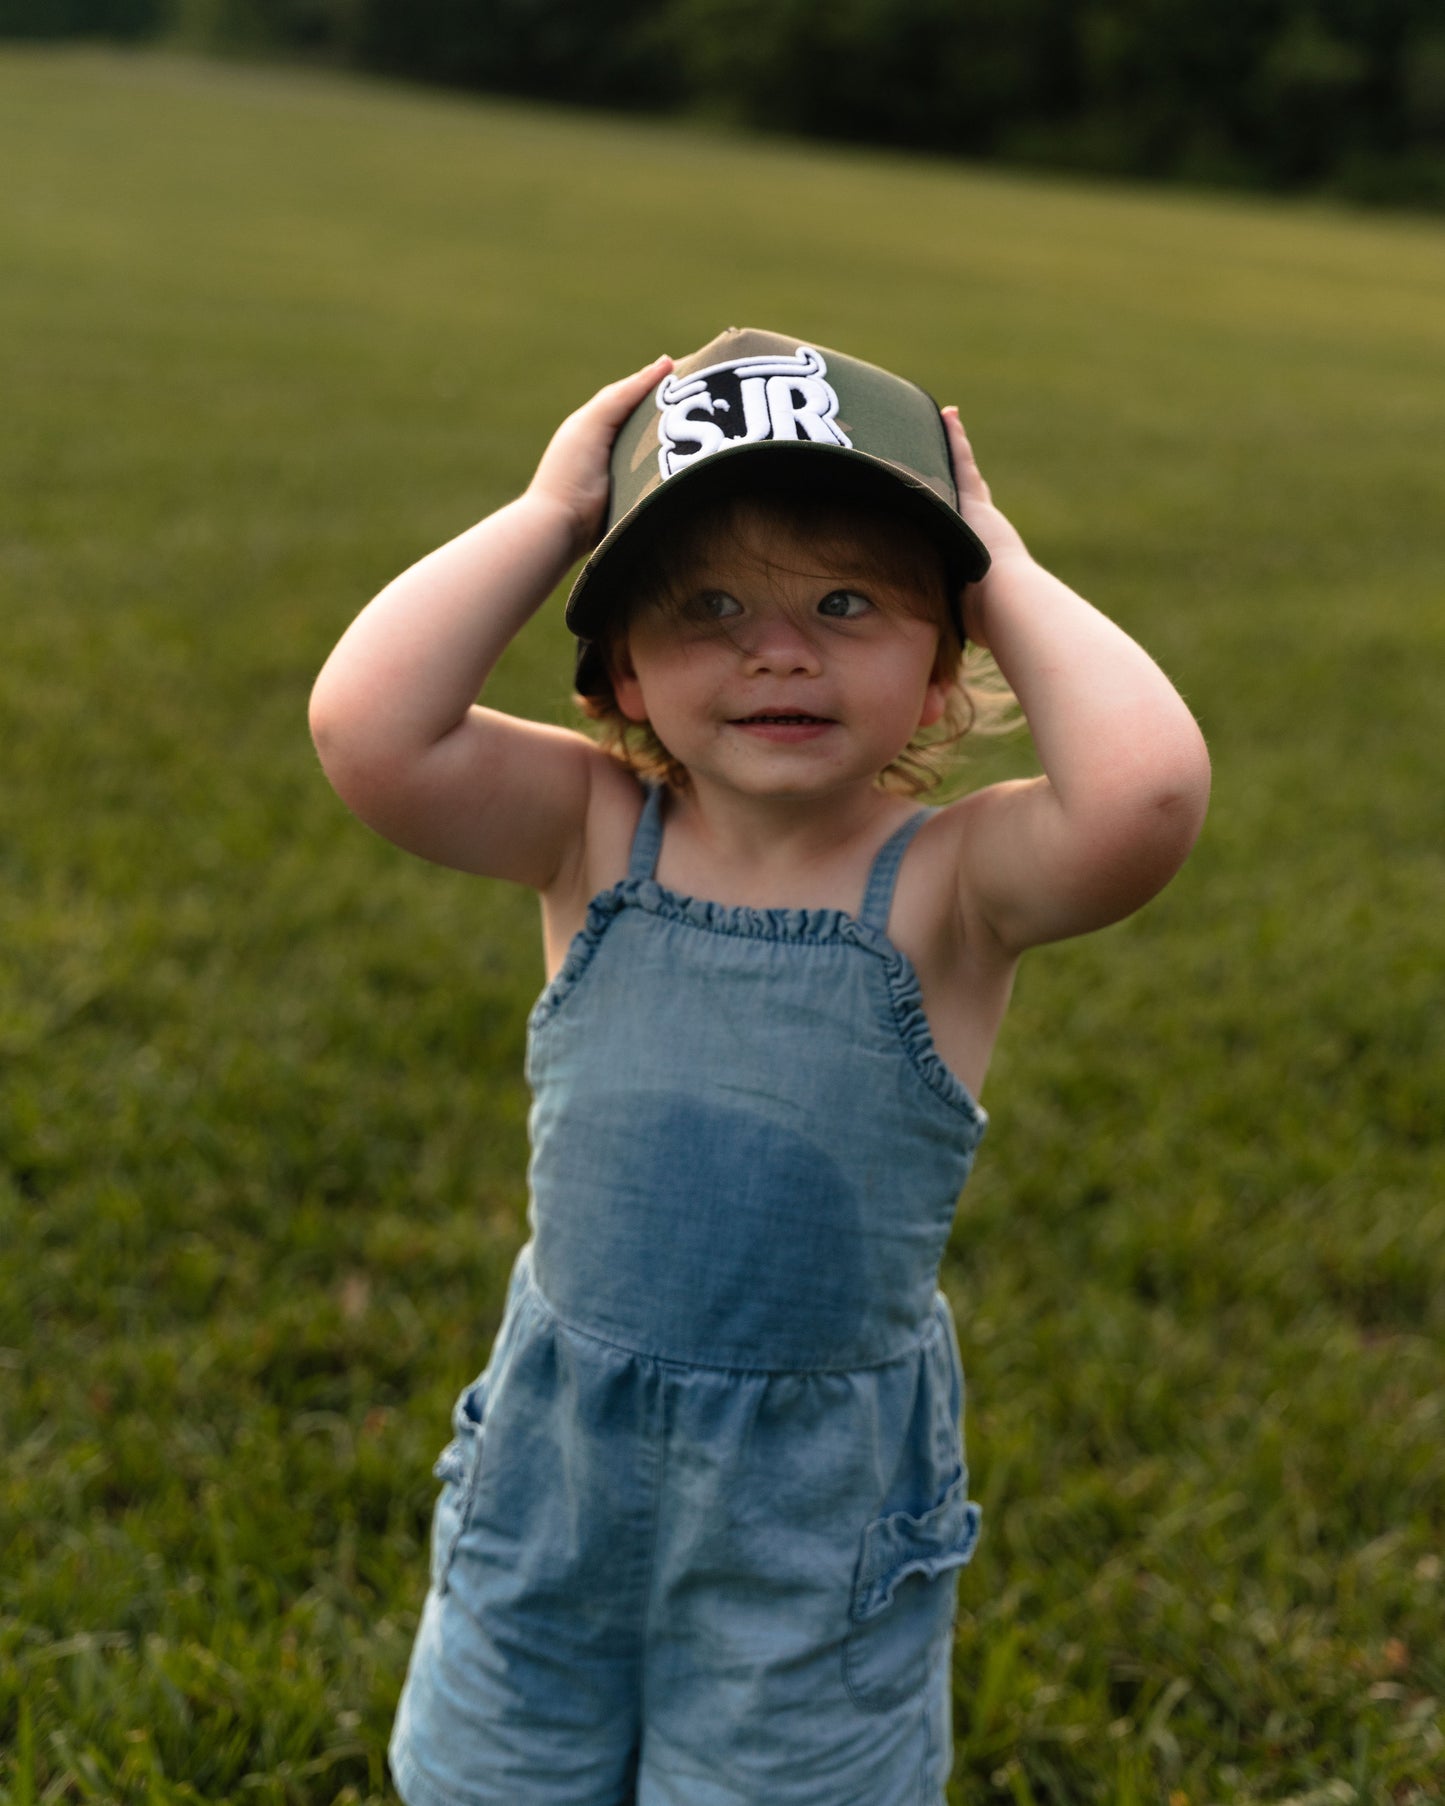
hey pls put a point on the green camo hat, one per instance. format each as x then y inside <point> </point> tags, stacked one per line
<point>758,411</point>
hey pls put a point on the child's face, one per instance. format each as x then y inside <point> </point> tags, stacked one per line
<point>774,677</point>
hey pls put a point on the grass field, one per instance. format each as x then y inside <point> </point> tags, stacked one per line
<point>265,338</point>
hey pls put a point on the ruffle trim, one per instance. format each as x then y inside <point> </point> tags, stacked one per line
<point>799,926</point>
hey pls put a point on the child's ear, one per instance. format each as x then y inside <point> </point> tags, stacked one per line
<point>940,681</point>
<point>625,686</point>
<point>935,701</point>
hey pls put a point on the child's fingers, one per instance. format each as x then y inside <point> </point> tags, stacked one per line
<point>617,400</point>
<point>975,503</point>
<point>966,473</point>
<point>573,469</point>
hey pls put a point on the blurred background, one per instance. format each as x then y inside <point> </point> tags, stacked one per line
<point>274,323</point>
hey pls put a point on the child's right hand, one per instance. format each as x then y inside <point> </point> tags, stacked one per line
<point>394,711</point>
<point>573,473</point>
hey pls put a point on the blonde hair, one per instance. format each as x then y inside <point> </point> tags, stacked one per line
<point>881,544</point>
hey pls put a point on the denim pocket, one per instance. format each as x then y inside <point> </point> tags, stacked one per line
<point>904,1590</point>
<point>457,1468</point>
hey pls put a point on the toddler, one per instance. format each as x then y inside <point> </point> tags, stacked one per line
<point>701,1521</point>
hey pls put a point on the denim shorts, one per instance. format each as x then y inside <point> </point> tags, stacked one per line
<point>666,1584</point>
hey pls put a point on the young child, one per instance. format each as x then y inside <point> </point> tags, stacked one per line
<point>701,1523</point>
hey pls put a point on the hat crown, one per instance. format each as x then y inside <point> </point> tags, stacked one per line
<point>751,387</point>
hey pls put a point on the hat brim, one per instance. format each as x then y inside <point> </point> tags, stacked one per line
<point>781,466</point>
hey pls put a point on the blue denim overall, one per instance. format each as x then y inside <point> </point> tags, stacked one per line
<point>703,1512</point>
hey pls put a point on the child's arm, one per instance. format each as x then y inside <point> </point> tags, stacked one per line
<point>1126,774</point>
<point>393,712</point>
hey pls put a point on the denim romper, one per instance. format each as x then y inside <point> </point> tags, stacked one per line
<point>702,1516</point>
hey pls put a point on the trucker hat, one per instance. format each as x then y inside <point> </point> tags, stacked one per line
<point>756,411</point>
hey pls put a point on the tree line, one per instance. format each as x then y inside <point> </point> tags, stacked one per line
<point>1345,97</point>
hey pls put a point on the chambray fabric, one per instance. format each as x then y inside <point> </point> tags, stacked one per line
<point>702,1515</point>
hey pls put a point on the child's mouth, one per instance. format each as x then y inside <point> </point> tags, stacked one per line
<point>780,726</point>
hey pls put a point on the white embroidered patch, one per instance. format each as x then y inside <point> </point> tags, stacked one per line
<point>744,401</point>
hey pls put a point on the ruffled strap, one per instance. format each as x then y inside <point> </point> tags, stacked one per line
<point>878,898</point>
<point>647,841</point>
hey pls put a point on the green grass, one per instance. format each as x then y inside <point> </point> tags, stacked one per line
<point>265,338</point>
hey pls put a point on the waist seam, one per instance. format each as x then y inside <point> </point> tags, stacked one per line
<point>931,1327</point>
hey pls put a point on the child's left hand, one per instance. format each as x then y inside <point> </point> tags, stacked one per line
<point>1125,772</point>
<point>976,505</point>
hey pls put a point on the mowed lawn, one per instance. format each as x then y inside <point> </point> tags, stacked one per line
<point>265,338</point>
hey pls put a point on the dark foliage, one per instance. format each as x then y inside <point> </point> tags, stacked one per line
<point>83,18</point>
<point>1338,95</point>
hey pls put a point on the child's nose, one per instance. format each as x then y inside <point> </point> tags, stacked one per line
<point>777,643</point>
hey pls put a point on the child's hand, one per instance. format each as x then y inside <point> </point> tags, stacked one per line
<point>975,503</point>
<point>1125,772</point>
<point>573,472</point>
<point>976,506</point>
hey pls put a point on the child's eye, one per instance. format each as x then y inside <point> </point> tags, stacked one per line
<point>844,605</point>
<point>712,605</point>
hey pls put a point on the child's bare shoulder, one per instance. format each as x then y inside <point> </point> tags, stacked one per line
<point>602,851</point>
<point>615,803</point>
<point>965,971</point>
<point>944,887</point>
